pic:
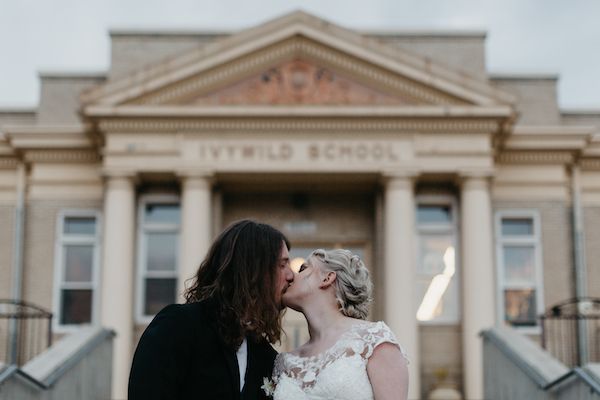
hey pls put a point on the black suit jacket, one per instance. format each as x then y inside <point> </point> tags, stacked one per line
<point>181,356</point>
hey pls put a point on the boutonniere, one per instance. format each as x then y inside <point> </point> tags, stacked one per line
<point>268,386</point>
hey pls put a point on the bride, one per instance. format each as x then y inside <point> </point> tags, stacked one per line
<point>346,356</point>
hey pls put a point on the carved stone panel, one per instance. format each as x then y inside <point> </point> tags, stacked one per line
<point>299,82</point>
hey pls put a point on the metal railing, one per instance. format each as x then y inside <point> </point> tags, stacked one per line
<point>25,331</point>
<point>571,331</point>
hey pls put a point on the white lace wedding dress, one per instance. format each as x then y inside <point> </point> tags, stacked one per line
<point>338,373</point>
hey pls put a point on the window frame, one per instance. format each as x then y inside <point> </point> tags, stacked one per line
<point>141,254</point>
<point>61,241</point>
<point>451,229</point>
<point>534,240</point>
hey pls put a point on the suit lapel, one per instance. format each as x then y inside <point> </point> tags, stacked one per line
<point>230,360</point>
<point>253,380</point>
<point>232,366</point>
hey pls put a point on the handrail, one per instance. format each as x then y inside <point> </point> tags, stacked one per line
<point>47,368</point>
<point>507,341</point>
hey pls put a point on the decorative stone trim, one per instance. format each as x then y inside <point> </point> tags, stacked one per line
<point>532,157</point>
<point>8,162</point>
<point>590,163</point>
<point>319,125</point>
<point>63,156</point>
<point>206,82</point>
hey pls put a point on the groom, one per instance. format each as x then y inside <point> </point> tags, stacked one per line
<point>216,346</point>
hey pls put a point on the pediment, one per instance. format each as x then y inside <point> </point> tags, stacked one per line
<point>297,59</point>
<point>296,82</point>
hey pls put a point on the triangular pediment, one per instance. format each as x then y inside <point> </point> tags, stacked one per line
<point>297,59</point>
<point>297,82</point>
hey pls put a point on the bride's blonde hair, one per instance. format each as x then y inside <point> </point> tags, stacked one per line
<point>353,287</point>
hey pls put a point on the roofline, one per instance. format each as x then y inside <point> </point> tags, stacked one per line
<point>587,112</point>
<point>49,74</point>
<point>169,32</point>
<point>426,33</point>
<point>516,76</point>
<point>421,33</point>
<point>18,110</point>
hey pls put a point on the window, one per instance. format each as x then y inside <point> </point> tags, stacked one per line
<point>158,254</point>
<point>437,255</point>
<point>77,260</point>
<point>518,252</point>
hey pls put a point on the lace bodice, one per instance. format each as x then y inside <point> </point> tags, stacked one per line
<point>338,373</point>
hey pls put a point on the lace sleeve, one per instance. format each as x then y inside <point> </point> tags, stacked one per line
<point>377,334</point>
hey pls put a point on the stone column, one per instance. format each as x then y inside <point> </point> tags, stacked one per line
<point>478,278</point>
<point>117,275</point>
<point>400,270</point>
<point>196,224</point>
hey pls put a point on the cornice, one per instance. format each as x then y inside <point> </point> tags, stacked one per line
<point>535,157</point>
<point>590,164</point>
<point>593,148</point>
<point>9,162</point>
<point>279,111</point>
<point>63,156</point>
<point>212,125</point>
<point>43,137</point>
<point>551,138</point>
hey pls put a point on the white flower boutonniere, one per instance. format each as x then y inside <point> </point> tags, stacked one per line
<point>268,386</point>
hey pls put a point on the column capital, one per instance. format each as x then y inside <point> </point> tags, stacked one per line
<point>185,173</point>
<point>119,178</point>
<point>195,176</point>
<point>116,173</point>
<point>399,178</point>
<point>479,178</point>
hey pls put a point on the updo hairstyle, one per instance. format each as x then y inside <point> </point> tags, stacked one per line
<point>353,286</point>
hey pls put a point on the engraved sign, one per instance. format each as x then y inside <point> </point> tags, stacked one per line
<point>380,152</point>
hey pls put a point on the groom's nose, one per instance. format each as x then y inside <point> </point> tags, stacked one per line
<point>289,275</point>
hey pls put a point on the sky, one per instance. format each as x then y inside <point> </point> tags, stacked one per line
<point>558,37</point>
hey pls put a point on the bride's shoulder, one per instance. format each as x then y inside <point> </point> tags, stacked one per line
<point>373,328</point>
<point>373,334</point>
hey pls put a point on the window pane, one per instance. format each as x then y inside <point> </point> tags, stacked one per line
<point>519,264</point>
<point>517,226</point>
<point>162,251</point>
<point>437,299</point>
<point>80,225</point>
<point>159,293</point>
<point>78,263</point>
<point>520,307</point>
<point>162,213</point>
<point>437,283</point>
<point>433,214</point>
<point>76,306</point>
<point>431,253</point>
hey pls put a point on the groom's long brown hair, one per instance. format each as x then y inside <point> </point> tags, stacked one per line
<point>238,278</point>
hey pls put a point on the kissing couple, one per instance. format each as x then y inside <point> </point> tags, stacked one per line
<point>218,344</point>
